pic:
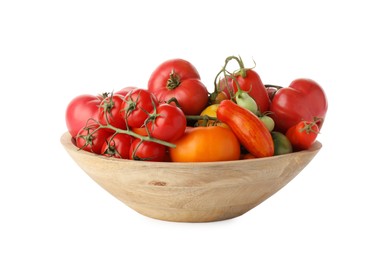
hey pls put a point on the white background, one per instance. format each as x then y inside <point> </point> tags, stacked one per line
<point>338,207</point>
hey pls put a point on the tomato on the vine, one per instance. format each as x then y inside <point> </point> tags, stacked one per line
<point>206,144</point>
<point>249,82</point>
<point>92,138</point>
<point>147,151</point>
<point>303,134</point>
<point>179,79</point>
<point>117,146</point>
<point>80,110</point>
<point>136,106</point>
<point>168,123</point>
<point>110,111</point>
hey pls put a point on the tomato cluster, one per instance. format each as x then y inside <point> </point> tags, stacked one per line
<point>176,119</point>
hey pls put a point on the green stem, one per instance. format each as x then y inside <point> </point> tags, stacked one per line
<point>144,138</point>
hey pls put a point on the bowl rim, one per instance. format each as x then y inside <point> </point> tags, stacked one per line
<point>66,141</point>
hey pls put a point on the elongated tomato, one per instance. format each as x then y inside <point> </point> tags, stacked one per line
<point>248,128</point>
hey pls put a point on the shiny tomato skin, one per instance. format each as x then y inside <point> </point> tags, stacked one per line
<point>91,139</point>
<point>117,146</point>
<point>180,79</point>
<point>169,124</point>
<point>247,127</point>
<point>80,110</point>
<point>303,99</point>
<point>136,107</point>
<point>206,144</point>
<point>110,111</point>
<point>147,151</point>
<point>251,83</point>
<point>303,135</point>
<point>124,91</point>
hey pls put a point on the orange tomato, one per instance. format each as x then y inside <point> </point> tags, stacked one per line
<point>206,144</point>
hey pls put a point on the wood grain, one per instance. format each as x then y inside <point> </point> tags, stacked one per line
<point>191,192</point>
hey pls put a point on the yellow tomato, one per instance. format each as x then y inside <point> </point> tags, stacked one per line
<point>206,144</point>
<point>211,112</point>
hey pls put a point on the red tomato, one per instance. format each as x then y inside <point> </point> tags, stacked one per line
<point>91,138</point>
<point>125,91</point>
<point>248,80</point>
<point>169,123</point>
<point>303,134</point>
<point>179,78</point>
<point>136,107</point>
<point>147,151</point>
<point>79,110</point>
<point>117,146</point>
<point>206,144</point>
<point>304,99</point>
<point>247,127</point>
<point>109,111</point>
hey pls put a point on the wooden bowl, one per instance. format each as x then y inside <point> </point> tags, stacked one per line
<point>191,192</point>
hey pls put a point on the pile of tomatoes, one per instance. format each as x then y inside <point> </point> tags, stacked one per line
<point>176,119</point>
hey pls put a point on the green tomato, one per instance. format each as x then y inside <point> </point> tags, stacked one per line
<point>282,145</point>
<point>243,99</point>
<point>268,121</point>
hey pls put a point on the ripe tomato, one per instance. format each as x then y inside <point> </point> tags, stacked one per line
<point>109,111</point>
<point>248,128</point>
<point>168,124</point>
<point>136,106</point>
<point>91,138</point>
<point>147,151</point>
<point>304,99</point>
<point>178,78</point>
<point>249,82</point>
<point>303,134</point>
<point>117,146</point>
<point>79,110</point>
<point>206,144</point>
<point>124,91</point>
<point>211,112</point>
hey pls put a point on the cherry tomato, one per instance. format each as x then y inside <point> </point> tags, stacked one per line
<point>178,78</point>
<point>136,107</point>
<point>80,110</point>
<point>206,144</point>
<point>168,124</point>
<point>110,111</point>
<point>268,121</point>
<point>282,145</point>
<point>91,138</point>
<point>147,151</point>
<point>303,134</point>
<point>211,112</point>
<point>117,146</point>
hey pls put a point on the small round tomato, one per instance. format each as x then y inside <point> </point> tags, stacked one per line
<point>109,111</point>
<point>167,124</point>
<point>206,144</point>
<point>211,112</point>
<point>92,138</point>
<point>282,145</point>
<point>303,134</point>
<point>179,79</point>
<point>147,151</point>
<point>80,110</point>
<point>268,121</point>
<point>136,107</point>
<point>117,146</point>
